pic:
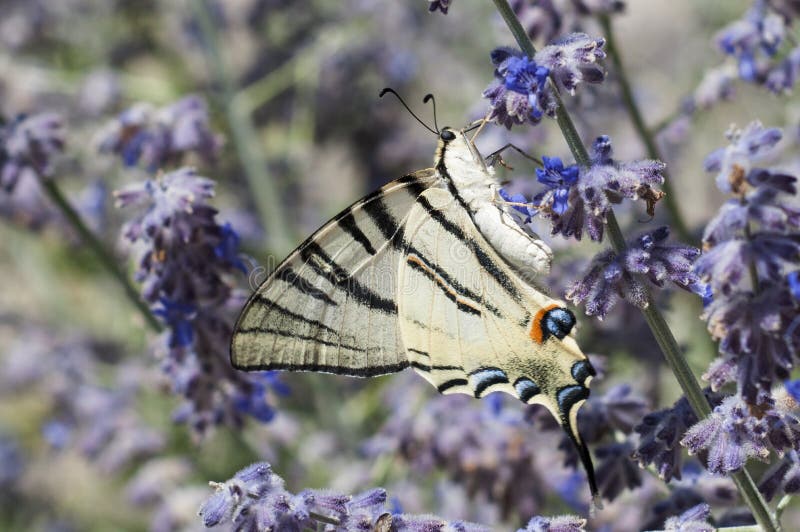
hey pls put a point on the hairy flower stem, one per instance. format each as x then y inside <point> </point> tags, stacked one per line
<point>106,258</point>
<point>265,193</point>
<point>658,326</point>
<point>645,135</point>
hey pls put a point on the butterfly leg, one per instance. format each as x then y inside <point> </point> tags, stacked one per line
<point>495,156</point>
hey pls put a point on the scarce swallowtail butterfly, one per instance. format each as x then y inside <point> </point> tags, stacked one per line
<point>430,272</point>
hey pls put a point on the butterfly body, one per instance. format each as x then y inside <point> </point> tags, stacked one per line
<point>430,272</point>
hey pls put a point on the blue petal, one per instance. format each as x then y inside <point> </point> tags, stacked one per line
<point>561,200</point>
<point>793,388</point>
<point>794,284</point>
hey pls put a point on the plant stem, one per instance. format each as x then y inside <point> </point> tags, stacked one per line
<point>645,135</point>
<point>106,258</point>
<point>658,326</point>
<point>265,193</point>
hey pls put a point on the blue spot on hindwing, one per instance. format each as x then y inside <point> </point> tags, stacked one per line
<point>526,389</point>
<point>569,395</point>
<point>582,370</point>
<point>483,378</point>
<point>558,322</point>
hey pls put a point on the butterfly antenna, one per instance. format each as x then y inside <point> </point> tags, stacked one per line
<point>429,97</point>
<point>392,91</point>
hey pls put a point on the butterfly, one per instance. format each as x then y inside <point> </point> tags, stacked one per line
<point>429,272</point>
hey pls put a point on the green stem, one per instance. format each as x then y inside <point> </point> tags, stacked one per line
<point>645,135</point>
<point>106,258</point>
<point>265,193</point>
<point>663,335</point>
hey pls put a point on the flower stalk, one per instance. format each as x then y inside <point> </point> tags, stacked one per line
<point>655,320</point>
<point>106,258</point>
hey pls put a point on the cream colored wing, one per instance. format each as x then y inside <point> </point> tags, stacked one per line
<point>471,325</point>
<point>331,305</point>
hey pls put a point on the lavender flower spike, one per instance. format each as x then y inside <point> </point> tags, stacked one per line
<point>612,277</point>
<point>598,186</point>
<point>747,146</point>
<point>695,519</point>
<point>561,523</point>
<point>185,265</point>
<point>256,499</point>
<point>519,92</point>
<point>29,144</point>
<point>730,435</point>
<point>573,59</point>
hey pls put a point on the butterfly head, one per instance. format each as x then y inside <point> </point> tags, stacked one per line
<point>457,154</point>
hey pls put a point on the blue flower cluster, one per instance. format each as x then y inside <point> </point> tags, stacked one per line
<point>156,138</point>
<point>256,499</point>
<point>185,261</point>
<point>613,276</point>
<point>520,92</point>
<point>752,249</point>
<point>756,42</point>
<point>29,144</point>
<point>546,20</point>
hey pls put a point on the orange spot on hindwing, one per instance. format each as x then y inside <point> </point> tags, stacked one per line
<point>537,333</point>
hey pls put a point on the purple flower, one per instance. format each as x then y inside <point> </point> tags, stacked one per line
<point>185,261</point>
<point>522,204</point>
<point>716,86</point>
<point>660,434</point>
<point>439,5</point>
<point>29,144</point>
<point>751,254</point>
<point>519,92</point>
<point>783,76</point>
<point>793,279</point>
<point>793,389</point>
<point>255,498</point>
<point>729,436</point>
<point>573,60</point>
<point>747,146</point>
<point>611,276</point>
<point>598,186</point>
<point>561,523</point>
<point>694,519</point>
<point>782,476</point>
<point>157,137</point>
<point>759,33</point>
<point>559,180</point>
<point>616,472</point>
<point>548,19</point>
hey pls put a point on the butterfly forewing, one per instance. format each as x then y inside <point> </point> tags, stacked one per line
<point>331,305</point>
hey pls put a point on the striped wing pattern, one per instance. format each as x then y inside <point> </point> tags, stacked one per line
<point>479,330</point>
<point>331,305</point>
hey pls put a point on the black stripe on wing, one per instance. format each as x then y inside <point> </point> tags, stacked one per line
<point>348,224</point>
<point>463,304</point>
<point>485,260</point>
<point>324,266</point>
<point>369,371</point>
<point>303,285</point>
<point>293,334</point>
<point>275,307</point>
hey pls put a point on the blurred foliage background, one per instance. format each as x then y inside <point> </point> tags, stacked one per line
<point>292,87</point>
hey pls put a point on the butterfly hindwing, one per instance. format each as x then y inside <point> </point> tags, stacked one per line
<point>471,325</point>
<point>331,305</point>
